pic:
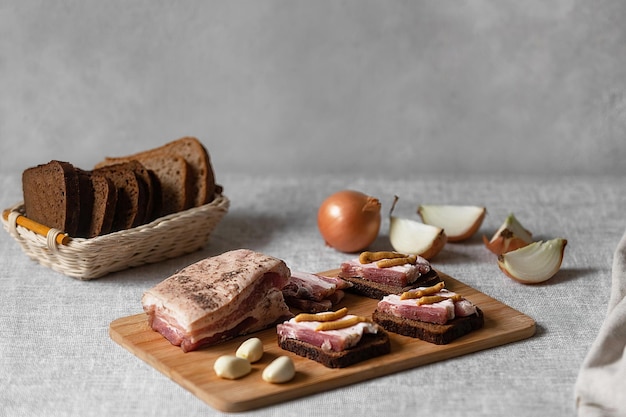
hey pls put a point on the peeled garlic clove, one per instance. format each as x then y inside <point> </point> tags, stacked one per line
<point>250,350</point>
<point>280,370</point>
<point>231,367</point>
<point>412,237</point>
<point>458,222</point>
<point>534,263</point>
<point>510,236</point>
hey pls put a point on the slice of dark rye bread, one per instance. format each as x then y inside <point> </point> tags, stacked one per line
<point>52,195</point>
<point>132,195</point>
<point>86,194</point>
<point>440,334</point>
<point>370,346</point>
<point>104,204</point>
<point>145,212</point>
<point>196,156</point>
<point>98,199</point>
<point>174,178</point>
<point>378,290</point>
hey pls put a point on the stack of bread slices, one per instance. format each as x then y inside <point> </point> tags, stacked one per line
<point>120,192</point>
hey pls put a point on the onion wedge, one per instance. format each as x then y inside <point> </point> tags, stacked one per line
<point>415,238</point>
<point>534,263</point>
<point>510,236</point>
<point>459,222</point>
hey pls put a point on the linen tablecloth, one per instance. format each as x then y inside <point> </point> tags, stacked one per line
<point>57,359</point>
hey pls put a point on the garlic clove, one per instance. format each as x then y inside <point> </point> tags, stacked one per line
<point>250,350</point>
<point>459,222</point>
<point>510,236</point>
<point>534,263</point>
<point>231,367</point>
<point>412,237</point>
<point>280,370</point>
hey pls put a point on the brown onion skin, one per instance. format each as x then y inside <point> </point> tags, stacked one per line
<point>349,220</point>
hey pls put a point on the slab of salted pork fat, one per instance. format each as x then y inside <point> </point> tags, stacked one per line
<point>218,298</point>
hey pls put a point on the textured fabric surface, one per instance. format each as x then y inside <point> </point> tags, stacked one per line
<point>602,380</point>
<point>56,358</point>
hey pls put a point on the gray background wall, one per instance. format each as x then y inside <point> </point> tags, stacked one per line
<point>402,87</point>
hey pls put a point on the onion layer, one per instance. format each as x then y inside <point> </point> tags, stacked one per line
<point>349,220</point>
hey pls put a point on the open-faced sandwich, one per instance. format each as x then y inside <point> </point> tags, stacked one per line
<point>219,298</point>
<point>376,274</point>
<point>433,314</point>
<point>314,293</point>
<point>335,339</point>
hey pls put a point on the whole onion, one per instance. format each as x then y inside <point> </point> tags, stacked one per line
<point>349,220</point>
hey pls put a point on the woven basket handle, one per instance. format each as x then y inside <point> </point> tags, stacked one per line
<point>51,234</point>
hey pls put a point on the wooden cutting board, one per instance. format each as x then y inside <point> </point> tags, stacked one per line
<point>194,370</point>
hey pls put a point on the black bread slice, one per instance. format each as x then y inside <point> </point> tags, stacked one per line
<point>378,290</point>
<point>86,192</point>
<point>370,346</point>
<point>105,201</point>
<point>157,196</point>
<point>144,214</point>
<point>52,196</point>
<point>98,198</point>
<point>198,159</point>
<point>131,195</point>
<point>174,177</point>
<point>176,180</point>
<point>440,334</point>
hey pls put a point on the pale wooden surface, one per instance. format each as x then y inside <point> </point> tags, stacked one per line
<point>194,370</point>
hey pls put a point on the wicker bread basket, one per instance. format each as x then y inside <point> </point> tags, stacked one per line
<point>167,237</point>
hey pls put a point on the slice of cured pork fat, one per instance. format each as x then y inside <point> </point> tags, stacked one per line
<point>219,298</point>
<point>400,275</point>
<point>314,293</point>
